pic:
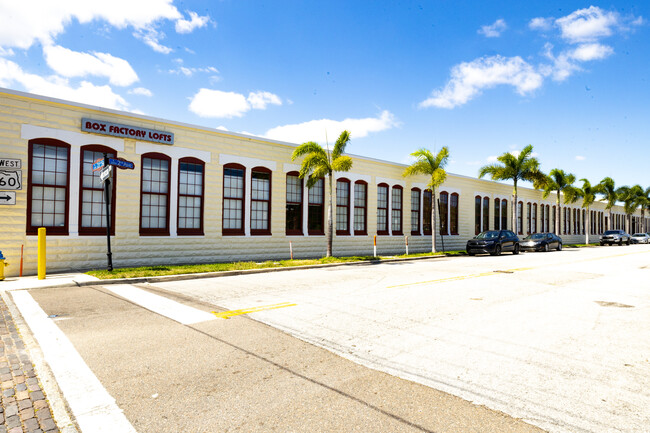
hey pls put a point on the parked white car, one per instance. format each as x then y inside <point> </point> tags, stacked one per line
<point>640,238</point>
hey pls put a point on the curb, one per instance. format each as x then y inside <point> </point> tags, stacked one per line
<point>196,276</point>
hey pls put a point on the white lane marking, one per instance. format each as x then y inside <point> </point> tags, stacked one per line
<point>161,305</point>
<point>92,406</point>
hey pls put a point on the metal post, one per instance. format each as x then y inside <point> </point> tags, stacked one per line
<point>375,248</point>
<point>107,184</point>
<point>41,253</point>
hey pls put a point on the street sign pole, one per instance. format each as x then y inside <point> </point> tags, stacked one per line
<point>107,184</point>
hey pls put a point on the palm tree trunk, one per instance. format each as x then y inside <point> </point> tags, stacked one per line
<point>515,209</point>
<point>329,222</point>
<point>433,220</point>
<point>587,228</point>
<point>557,215</point>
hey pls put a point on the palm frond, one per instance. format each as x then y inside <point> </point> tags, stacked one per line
<point>309,147</point>
<point>342,163</point>
<point>341,143</point>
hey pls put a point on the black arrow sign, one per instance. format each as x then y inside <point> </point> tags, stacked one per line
<point>5,197</point>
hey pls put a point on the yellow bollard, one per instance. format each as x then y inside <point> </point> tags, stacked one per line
<point>41,253</point>
<point>3,263</point>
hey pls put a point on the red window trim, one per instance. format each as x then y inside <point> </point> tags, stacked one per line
<point>301,204</point>
<point>478,217</point>
<point>400,231</point>
<point>190,232</point>
<point>383,232</point>
<point>365,213</point>
<point>444,230</point>
<point>233,232</point>
<point>426,192</point>
<point>497,216</point>
<point>529,208</point>
<point>33,230</point>
<point>520,217</point>
<point>534,219</point>
<point>454,213</point>
<point>322,214</point>
<point>486,214</point>
<point>504,218</point>
<point>96,231</point>
<point>343,232</point>
<point>263,232</point>
<point>417,231</point>
<point>156,231</point>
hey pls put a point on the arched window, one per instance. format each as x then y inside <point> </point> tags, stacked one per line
<point>486,214</point>
<point>233,199</point>
<point>528,218</point>
<point>415,211</point>
<point>477,214</point>
<point>342,207</point>
<point>426,212</point>
<point>396,210</point>
<point>444,210</point>
<point>360,208</point>
<point>48,188</point>
<point>497,214</point>
<point>554,228</point>
<point>548,213</point>
<point>504,215</point>
<point>316,211</point>
<point>534,228</point>
<point>293,207</point>
<point>382,209</point>
<point>520,218</point>
<point>92,203</point>
<point>191,188</point>
<point>453,213</point>
<point>154,194</point>
<point>260,201</point>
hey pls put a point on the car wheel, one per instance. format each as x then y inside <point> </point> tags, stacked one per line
<point>620,243</point>
<point>628,241</point>
<point>546,248</point>
<point>516,251</point>
<point>559,246</point>
<point>497,251</point>
<point>471,254</point>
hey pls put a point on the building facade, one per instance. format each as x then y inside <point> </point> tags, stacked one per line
<point>201,195</point>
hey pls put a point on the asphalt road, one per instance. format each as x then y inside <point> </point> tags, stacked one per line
<point>453,344</point>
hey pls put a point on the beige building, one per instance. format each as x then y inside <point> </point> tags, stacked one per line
<point>198,194</point>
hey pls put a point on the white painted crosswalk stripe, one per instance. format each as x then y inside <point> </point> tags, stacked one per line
<point>93,407</point>
<point>161,305</point>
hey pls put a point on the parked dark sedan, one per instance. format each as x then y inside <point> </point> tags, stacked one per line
<point>493,242</point>
<point>541,242</point>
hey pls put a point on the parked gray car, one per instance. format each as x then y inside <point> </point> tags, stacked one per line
<point>611,237</point>
<point>640,238</point>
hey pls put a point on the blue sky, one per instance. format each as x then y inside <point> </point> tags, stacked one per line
<point>483,78</point>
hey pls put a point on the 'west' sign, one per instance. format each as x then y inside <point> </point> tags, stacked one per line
<point>126,131</point>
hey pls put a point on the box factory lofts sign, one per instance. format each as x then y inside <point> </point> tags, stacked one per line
<point>126,131</point>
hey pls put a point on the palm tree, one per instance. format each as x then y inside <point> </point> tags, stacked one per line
<point>588,195</point>
<point>515,168</point>
<point>607,188</point>
<point>433,166</point>
<point>557,181</point>
<point>320,163</point>
<point>644,201</point>
<point>631,198</point>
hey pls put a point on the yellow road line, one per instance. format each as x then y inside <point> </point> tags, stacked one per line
<point>229,314</point>
<point>462,277</point>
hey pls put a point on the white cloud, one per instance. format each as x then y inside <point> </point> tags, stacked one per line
<point>151,36</point>
<point>594,51</point>
<point>494,30</point>
<point>492,159</point>
<point>315,130</point>
<point>580,158</point>
<point>6,52</point>
<point>586,25</point>
<point>259,100</point>
<point>469,78</point>
<point>540,23</point>
<point>188,72</point>
<point>27,21</point>
<point>57,87</point>
<point>195,22</point>
<point>70,64</point>
<point>215,103</point>
<point>141,91</point>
